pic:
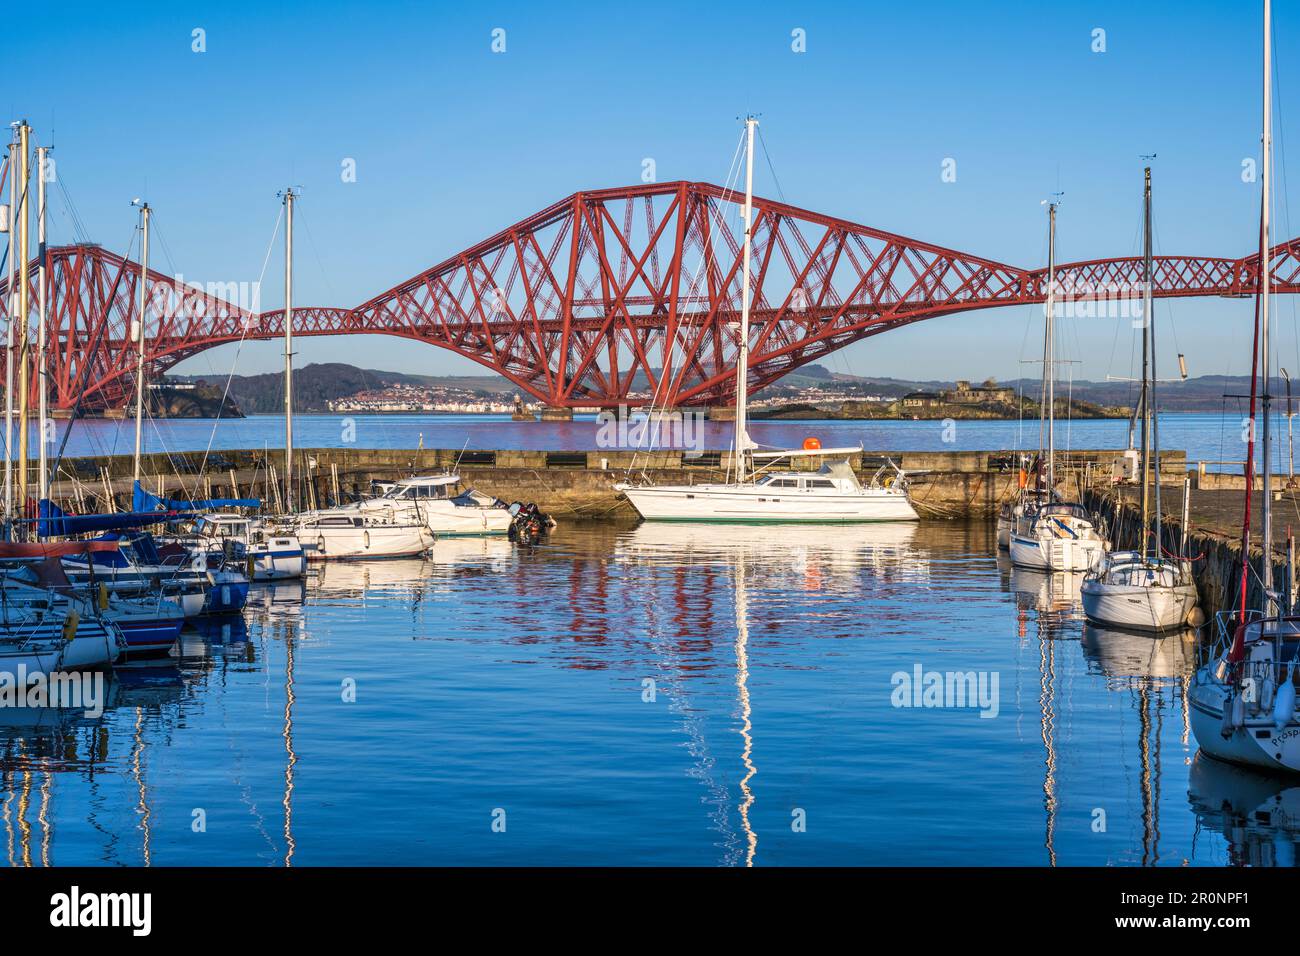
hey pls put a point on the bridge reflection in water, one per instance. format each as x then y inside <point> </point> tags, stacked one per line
<point>649,694</point>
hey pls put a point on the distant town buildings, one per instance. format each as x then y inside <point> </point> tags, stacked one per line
<point>422,398</point>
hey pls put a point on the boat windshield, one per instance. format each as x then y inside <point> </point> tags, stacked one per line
<point>410,491</point>
<point>1065,508</point>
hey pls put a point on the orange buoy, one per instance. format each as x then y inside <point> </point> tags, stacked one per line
<point>1024,478</point>
<point>811,444</point>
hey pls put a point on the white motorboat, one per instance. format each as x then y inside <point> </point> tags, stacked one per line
<point>270,554</point>
<point>446,507</point>
<point>755,492</point>
<point>336,534</point>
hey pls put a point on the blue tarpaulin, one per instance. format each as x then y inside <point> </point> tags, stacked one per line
<point>52,521</point>
<point>146,501</point>
<point>141,543</point>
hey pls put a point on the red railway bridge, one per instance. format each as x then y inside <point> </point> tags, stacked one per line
<point>609,288</point>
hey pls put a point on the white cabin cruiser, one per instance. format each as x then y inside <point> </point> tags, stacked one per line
<point>272,555</point>
<point>446,507</point>
<point>343,534</point>
<point>833,494</point>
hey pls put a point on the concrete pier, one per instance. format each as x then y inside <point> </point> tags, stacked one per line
<point>575,484</point>
<point>1214,533</point>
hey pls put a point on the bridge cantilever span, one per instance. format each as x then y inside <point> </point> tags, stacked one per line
<point>613,296</point>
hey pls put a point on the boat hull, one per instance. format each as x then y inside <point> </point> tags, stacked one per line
<point>350,544</point>
<point>1257,743</point>
<point>151,636</point>
<point>228,594</point>
<point>1134,607</point>
<point>1055,554</point>
<point>44,650</point>
<point>95,645</point>
<point>753,504</point>
<point>464,521</point>
<point>277,565</point>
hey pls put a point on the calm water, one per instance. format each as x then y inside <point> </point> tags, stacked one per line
<point>1208,437</point>
<point>658,694</point>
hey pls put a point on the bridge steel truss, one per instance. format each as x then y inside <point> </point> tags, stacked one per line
<point>613,296</point>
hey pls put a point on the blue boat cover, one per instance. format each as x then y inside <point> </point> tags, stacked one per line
<point>143,500</point>
<point>142,543</point>
<point>53,521</point>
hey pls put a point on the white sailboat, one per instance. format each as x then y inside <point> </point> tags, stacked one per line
<point>336,533</point>
<point>1143,589</point>
<point>1049,534</point>
<point>443,504</point>
<point>1243,700</point>
<point>756,491</point>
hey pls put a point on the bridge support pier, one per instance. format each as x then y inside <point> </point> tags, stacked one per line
<point>722,413</point>
<point>553,413</point>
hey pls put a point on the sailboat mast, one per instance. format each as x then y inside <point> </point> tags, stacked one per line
<point>1266,399</point>
<point>1049,361</point>
<point>1153,406</point>
<point>24,309</point>
<point>139,339</point>
<point>742,356</point>
<point>42,307</point>
<point>1144,397</point>
<point>288,350</point>
<point>10,311</point>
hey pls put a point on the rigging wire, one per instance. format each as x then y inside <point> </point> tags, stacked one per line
<point>706,260</point>
<point>239,346</point>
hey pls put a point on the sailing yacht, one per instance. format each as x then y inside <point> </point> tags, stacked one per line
<point>757,492</point>
<point>333,533</point>
<point>1143,589</point>
<point>1243,700</point>
<point>1048,533</point>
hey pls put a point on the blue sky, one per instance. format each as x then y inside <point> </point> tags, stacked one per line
<point>453,142</point>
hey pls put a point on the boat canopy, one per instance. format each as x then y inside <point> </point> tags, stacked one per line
<point>52,521</point>
<point>142,500</point>
<point>140,543</point>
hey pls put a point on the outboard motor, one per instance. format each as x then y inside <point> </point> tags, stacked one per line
<point>529,523</point>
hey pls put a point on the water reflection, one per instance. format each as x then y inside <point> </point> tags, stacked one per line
<point>1257,813</point>
<point>683,689</point>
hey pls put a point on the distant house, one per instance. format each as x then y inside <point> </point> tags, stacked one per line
<point>989,392</point>
<point>920,401</point>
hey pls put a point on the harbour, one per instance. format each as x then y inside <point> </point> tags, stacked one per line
<point>487,459</point>
<point>249,721</point>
